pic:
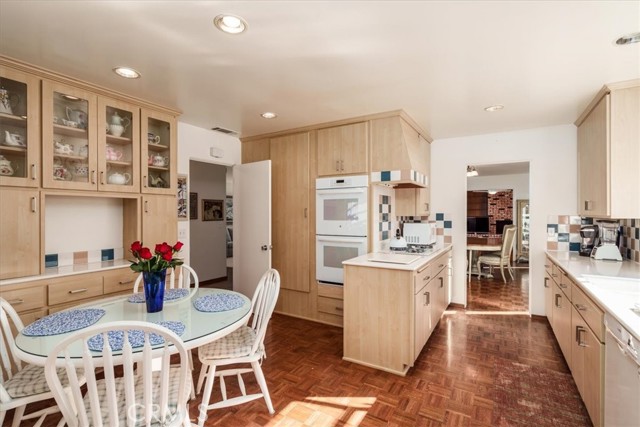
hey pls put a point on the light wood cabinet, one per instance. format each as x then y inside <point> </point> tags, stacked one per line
<point>158,219</point>
<point>412,201</point>
<point>562,321</point>
<point>290,209</point>
<point>548,297</point>
<point>19,232</point>
<point>159,152</point>
<point>118,146</point>
<point>20,126</point>
<point>609,153</point>
<point>120,280</point>
<point>255,151</point>
<point>342,150</point>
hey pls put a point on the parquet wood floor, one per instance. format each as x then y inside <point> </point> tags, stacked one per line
<point>494,295</point>
<point>451,384</point>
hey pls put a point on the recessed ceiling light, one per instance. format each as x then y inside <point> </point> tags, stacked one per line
<point>269,115</point>
<point>493,108</point>
<point>628,39</point>
<point>230,24</point>
<point>126,72</point>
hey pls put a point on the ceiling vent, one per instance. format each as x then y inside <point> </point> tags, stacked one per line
<point>225,131</point>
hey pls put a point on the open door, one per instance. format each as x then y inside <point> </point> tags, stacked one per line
<point>252,224</point>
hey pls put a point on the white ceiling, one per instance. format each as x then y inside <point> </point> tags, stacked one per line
<point>318,61</point>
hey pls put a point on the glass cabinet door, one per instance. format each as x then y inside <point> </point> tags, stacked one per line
<point>19,129</point>
<point>158,154</point>
<point>118,146</point>
<point>69,153</point>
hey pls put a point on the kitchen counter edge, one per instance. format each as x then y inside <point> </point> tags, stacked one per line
<point>362,261</point>
<point>71,270</point>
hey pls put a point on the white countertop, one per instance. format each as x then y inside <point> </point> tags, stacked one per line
<point>614,286</point>
<point>422,259</point>
<point>70,270</point>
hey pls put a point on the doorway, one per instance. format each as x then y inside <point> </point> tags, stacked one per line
<point>498,197</point>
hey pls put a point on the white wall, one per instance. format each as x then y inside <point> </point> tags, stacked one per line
<point>194,143</point>
<point>551,153</point>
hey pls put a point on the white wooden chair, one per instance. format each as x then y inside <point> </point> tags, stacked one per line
<point>147,397</point>
<point>245,345</point>
<point>179,278</point>
<point>503,258</point>
<point>21,384</point>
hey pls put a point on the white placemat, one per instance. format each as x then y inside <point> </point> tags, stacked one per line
<point>218,302</point>
<point>136,337</point>
<point>169,295</point>
<point>63,322</point>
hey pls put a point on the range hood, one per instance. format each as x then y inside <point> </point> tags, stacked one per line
<point>400,154</point>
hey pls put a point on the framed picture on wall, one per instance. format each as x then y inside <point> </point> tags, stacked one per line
<point>212,210</point>
<point>182,197</point>
<point>228,207</point>
<point>193,205</point>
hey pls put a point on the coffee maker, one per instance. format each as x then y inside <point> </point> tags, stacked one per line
<point>588,237</point>
<point>606,247</point>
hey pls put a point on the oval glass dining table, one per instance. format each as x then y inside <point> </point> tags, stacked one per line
<point>200,327</point>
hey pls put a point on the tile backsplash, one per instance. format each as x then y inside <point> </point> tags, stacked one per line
<point>63,259</point>
<point>563,234</point>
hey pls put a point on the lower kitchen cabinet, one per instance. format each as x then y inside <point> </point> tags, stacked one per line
<point>19,232</point>
<point>330,304</point>
<point>562,321</point>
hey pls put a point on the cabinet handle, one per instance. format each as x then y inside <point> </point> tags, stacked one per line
<point>339,309</point>
<point>554,275</point>
<point>342,165</point>
<point>558,298</point>
<point>305,212</point>
<point>16,301</point>
<point>426,278</point>
<point>441,282</point>
<point>579,340</point>
<point>581,307</point>
<point>101,177</point>
<point>440,265</point>
<point>337,165</point>
<point>426,206</point>
<point>146,206</point>
<point>587,205</point>
<point>547,266</point>
<point>562,286</point>
<point>125,283</point>
<point>144,181</point>
<point>34,172</point>
<point>78,291</point>
<point>428,294</point>
<point>34,205</point>
<point>546,279</point>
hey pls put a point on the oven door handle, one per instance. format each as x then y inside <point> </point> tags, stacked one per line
<point>342,239</point>
<point>358,190</point>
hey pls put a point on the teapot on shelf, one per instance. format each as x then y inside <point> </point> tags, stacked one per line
<point>8,101</point>
<point>60,172</point>
<point>59,147</point>
<point>117,125</point>
<point>157,182</point>
<point>113,153</point>
<point>76,116</point>
<point>119,178</point>
<point>159,160</point>
<point>5,166</point>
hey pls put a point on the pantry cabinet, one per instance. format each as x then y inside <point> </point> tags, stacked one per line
<point>19,129</point>
<point>19,232</point>
<point>342,150</point>
<point>609,153</point>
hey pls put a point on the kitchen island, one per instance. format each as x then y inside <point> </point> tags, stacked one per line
<point>392,305</point>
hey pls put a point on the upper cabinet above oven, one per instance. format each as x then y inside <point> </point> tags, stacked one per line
<point>342,150</point>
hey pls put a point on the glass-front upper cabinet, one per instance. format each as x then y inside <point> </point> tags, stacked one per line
<point>69,137</point>
<point>19,129</point>
<point>158,153</point>
<point>118,146</point>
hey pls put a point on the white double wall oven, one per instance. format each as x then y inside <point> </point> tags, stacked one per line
<point>341,224</point>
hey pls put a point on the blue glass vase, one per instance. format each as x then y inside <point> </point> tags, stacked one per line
<point>154,289</point>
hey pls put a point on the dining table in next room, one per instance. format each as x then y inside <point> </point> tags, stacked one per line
<point>480,244</point>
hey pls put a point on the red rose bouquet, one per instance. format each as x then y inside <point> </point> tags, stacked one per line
<point>161,259</point>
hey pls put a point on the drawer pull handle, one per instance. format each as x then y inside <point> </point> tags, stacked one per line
<point>558,298</point>
<point>563,286</point>
<point>16,301</point>
<point>441,265</point>
<point>78,291</point>
<point>426,278</point>
<point>34,172</point>
<point>581,307</point>
<point>125,283</point>
<point>546,279</point>
<point>579,340</point>
<point>441,282</point>
<point>339,309</point>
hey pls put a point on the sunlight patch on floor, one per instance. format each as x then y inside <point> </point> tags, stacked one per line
<point>503,313</point>
<point>324,411</point>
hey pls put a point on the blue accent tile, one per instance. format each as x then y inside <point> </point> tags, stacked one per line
<point>555,228</point>
<point>574,247</point>
<point>380,208</point>
<point>379,226</point>
<point>385,200</point>
<point>439,217</point>
<point>107,255</point>
<point>563,237</point>
<point>447,224</point>
<point>385,217</point>
<point>51,260</point>
<point>385,235</point>
<point>385,176</point>
<point>637,233</point>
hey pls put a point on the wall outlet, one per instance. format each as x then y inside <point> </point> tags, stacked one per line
<point>182,233</point>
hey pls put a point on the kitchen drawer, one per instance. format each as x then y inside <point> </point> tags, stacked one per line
<point>548,266</point>
<point>330,291</point>
<point>564,282</point>
<point>25,298</point>
<point>590,312</point>
<point>119,280</point>
<point>75,288</point>
<point>330,305</point>
<point>439,263</point>
<point>423,275</point>
<point>555,273</point>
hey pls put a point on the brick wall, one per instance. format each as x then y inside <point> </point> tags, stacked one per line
<point>500,208</point>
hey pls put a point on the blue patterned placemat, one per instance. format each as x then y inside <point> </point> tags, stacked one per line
<point>136,337</point>
<point>169,295</point>
<point>63,322</point>
<point>218,302</point>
